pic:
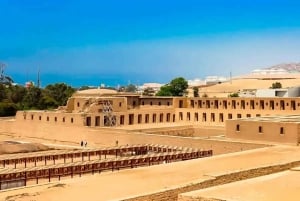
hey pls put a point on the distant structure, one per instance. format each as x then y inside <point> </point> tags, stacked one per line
<point>4,79</point>
<point>282,92</point>
<point>154,86</point>
<point>214,80</point>
<point>196,82</point>
<point>269,71</point>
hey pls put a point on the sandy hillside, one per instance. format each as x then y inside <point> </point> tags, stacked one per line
<point>239,84</point>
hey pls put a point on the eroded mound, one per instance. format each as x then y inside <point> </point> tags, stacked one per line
<point>12,147</point>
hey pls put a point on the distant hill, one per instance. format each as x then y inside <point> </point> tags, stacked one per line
<point>289,67</point>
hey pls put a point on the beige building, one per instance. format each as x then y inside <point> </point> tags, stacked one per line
<point>94,109</point>
<point>282,129</point>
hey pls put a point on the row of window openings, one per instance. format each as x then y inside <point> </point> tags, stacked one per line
<point>151,103</point>
<point>234,104</point>
<point>147,118</point>
<point>48,119</point>
<point>133,103</point>
<point>212,115</point>
<point>260,129</point>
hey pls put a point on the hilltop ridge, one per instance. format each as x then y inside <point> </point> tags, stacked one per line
<point>289,67</point>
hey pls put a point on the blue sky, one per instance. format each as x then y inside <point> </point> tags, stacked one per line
<point>136,41</point>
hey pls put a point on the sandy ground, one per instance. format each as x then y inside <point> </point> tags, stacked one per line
<point>133,182</point>
<point>276,187</point>
<point>11,147</point>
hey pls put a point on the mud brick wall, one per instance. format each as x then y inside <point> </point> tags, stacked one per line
<point>174,194</point>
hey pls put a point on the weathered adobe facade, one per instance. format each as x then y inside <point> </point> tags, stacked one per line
<point>94,110</point>
<point>97,111</point>
<point>283,129</point>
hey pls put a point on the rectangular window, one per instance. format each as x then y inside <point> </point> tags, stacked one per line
<point>221,118</point>
<point>161,117</point>
<point>252,104</point>
<point>237,127</point>
<point>204,117</point>
<point>282,106</point>
<point>212,117</point>
<point>147,118</point>
<point>293,105</point>
<point>168,117</point>
<point>192,104</point>
<point>180,116</point>
<point>139,119</point>
<point>196,116</point>
<point>260,129</point>
<point>122,120</point>
<point>154,118</point>
<point>281,130</point>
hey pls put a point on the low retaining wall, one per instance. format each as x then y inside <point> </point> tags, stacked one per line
<point>186,131</point>
<point>174,194</point>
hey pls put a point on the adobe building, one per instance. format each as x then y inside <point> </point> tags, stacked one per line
<point>281,129</point>
<point>93,108</point>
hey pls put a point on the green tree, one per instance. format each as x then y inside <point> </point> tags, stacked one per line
<point>16,93</point>
<point>148,91</point>
<point>2,92</point>
<point>131,88</point>
<point>177,87</point>
<point>32,98</point>
<point>59,92</point>
<point>165,91</point>
<point>233,95</point>
<point>7,109</point>
<point>196,91</point>
<point>276,85</point>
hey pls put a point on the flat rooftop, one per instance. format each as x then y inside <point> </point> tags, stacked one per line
<point>281,118</point>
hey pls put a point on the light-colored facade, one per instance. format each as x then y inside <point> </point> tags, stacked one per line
<point>282,129</point>
<point>288,92</point>
<point>94,110</point>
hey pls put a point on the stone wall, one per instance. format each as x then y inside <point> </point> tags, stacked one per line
<point>174,194</point>
<point>186,131</point>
